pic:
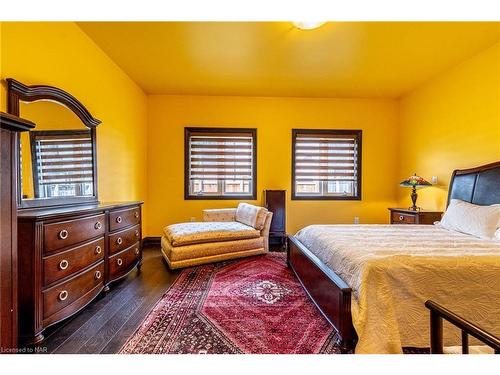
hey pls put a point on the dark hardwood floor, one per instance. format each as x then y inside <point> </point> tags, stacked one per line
<point>106,323</point>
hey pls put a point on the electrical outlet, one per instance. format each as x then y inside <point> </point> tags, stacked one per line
<point>434,180</point>
<point>193,219</point>
<point>356,219</point>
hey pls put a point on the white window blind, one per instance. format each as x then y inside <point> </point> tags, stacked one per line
<point>326,163</point>
<point>63,159</point>
<point>220,162</point>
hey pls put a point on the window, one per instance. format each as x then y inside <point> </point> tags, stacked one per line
<point>220,163</point>
<point>326,164</point>
<point>62,163</point>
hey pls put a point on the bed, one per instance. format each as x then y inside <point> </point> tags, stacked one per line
<point>371,281</point>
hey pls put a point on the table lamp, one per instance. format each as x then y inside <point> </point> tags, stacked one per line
<point>414,182</point>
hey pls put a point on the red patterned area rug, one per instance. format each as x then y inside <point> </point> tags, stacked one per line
<point>254,305</point>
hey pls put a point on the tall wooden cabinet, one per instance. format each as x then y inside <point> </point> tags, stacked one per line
<point>10,125</point>
<point>275,201</point>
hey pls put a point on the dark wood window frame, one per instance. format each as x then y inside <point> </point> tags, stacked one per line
<point>343,132</point>
<point>188,131</point>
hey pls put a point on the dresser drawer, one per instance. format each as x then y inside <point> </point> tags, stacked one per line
<point>124,218</point>
<point>402,218</point>
<point>124,239</point>
<point>66,233</point>
<point>64,294</point>
<point>60,265</point>
<point>121,263</point>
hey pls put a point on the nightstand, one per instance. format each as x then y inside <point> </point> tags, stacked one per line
<point>407,216</point>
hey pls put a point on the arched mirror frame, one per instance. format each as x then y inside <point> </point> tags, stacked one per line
<point>17,92</point>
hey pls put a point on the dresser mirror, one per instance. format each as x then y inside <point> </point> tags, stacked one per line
<point>57,159</point>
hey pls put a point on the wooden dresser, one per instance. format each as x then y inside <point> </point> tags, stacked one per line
<point>407,216</point>
<point>68,255</point>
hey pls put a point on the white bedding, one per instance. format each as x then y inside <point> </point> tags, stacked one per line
<point>394,269</point>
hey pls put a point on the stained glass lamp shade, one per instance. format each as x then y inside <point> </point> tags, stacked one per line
<point>414,182</point>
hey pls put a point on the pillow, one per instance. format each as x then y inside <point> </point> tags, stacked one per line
<point>468,218</point>
<point>251,215</point>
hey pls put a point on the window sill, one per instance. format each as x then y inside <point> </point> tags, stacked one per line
<point>220,197</point>
<point>324,198</point>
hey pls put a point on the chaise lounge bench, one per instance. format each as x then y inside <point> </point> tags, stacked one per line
<point>223,234</point>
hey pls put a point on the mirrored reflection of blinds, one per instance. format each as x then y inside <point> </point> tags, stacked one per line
<point>326,157</point>
<point>63,159</point>
<point>220,156</point>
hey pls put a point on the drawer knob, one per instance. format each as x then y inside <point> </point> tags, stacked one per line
<point>63,295</point>
<point>137,233</point>
<point>63,264</point>
<point>63,234</point>
<point>136,215</point>
<point>119,219</point>
<point>137,251</point>
<point>119,241</point>
<point>98,225</point>
<point>401,217</point>
<point>97,275</point>
<point>119,261</point>
<point>98,250</point>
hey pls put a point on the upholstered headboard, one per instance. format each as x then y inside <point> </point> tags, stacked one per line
<point>480,185</point>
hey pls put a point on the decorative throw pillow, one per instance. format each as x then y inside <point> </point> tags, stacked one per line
<point>251,215</point>
<point>468,218</point>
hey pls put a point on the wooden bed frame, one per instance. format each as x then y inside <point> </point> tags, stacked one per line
<point>332,296</point>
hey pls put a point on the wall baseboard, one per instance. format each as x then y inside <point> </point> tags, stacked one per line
<point>151,241</point>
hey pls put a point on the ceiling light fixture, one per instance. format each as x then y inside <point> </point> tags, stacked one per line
<point>308,25</point>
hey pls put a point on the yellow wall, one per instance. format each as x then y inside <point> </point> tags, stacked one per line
<point>62,55</point>
<point>274,118</point>
<point>451,122</point>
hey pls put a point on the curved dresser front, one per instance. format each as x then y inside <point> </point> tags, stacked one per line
<point>68,255</point>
